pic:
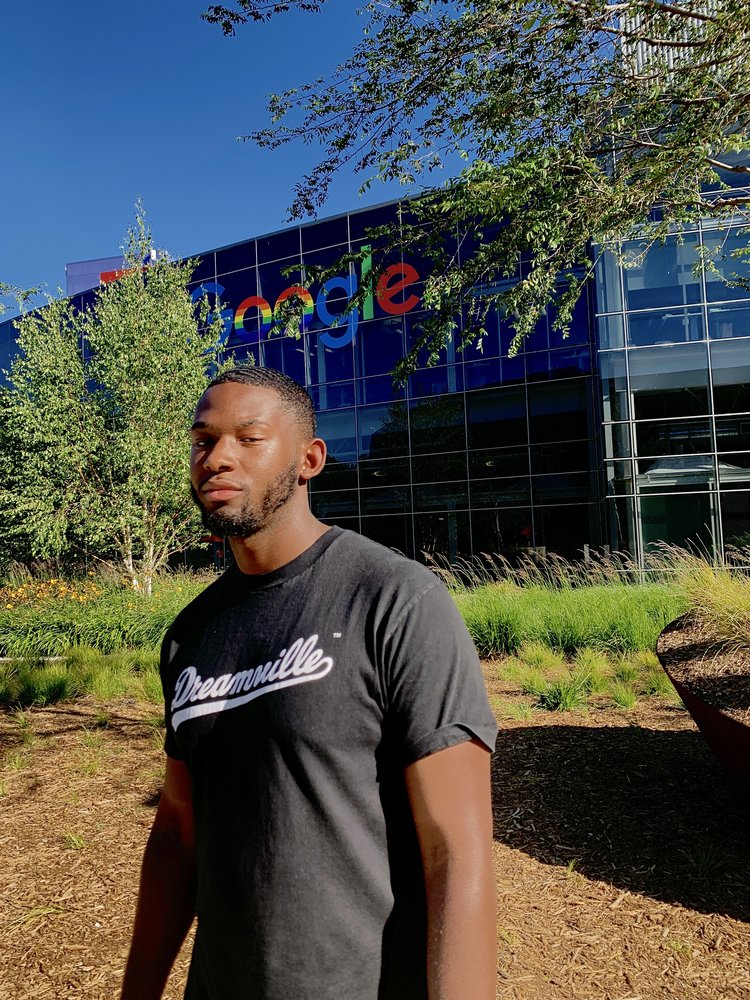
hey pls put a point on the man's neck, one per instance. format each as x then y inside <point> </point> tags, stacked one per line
<point>278,544</point>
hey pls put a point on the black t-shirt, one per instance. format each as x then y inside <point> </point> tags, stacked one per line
<point>296,699</point>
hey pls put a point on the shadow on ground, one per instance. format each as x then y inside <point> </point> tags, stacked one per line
<point>647,810</point>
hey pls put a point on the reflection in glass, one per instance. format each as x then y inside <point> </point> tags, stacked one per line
<point>611,331</point>
<point>438,468</point>
<point>676,437</point>
<point>564,487</point>
<point>285,355</point>
<point>337,428</point>
<point>437,424</point>
<point>563,456</point>
<point>735,517</point>
<point>432,381</point>
<point>379,389</point>
<point>446,534</point>
<point>501,492</point>
<point>614,384</point>
<point>730,366</point>
<point>329,364</point>
<point>383,430</point>
<point>686,519</point>
<point>558,410</point>
<point>505,532</point>
<point>619,477</point>
<point>608,287</point>
<point>333,396</point>
<point>669,381</point>
<point>385,500</point>
<point>662,275</point>
<point>494,462</point>
<point>617,440</point>
<point>725,322</point>
<point>342,503</point>
<point>621,525</point>
<point>677,326</point>
<point>725,250</point>
<point>565,530</point>
<point>336,475</point>
<point>496,417</point>
<point>441,496</point>
<point>675,473</point>
<point>384,471</point>
<point>379,345</point>
<point>733,433</point>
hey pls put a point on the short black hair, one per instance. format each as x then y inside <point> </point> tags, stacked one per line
<point>295,396</point>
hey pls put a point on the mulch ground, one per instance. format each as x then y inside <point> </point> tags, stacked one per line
<point>620,845</point>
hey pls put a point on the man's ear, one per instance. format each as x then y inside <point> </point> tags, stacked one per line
<point>313,459</point>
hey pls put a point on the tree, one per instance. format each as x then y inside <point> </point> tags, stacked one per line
<point>574,118</point>
<point>93,442</point>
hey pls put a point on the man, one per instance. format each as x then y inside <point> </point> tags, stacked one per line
<point>326,808</point>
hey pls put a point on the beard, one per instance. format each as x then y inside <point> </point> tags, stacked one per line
<point>254,514</point>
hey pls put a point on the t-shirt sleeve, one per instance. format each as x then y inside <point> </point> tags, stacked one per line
<point>167,649</point>
<point>434,689</point>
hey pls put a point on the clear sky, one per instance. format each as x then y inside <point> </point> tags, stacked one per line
<point>104,102</point>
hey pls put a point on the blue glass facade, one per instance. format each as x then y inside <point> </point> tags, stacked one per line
<point>633,429</point>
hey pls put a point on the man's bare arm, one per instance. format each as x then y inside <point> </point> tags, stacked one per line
<point>166,898</point>
<point>449,792</point>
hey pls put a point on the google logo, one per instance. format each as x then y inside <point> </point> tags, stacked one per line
<point>390,293</point>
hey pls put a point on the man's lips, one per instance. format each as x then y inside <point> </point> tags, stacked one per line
<point>220,491</point>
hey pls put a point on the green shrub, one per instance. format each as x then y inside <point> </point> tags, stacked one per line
<point>623,696</point>
<point>566,693</point>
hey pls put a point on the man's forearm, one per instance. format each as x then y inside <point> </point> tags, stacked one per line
<point>461,929</point>
<point>166,907</point>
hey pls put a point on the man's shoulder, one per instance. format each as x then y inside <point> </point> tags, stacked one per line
<point>358,556</point>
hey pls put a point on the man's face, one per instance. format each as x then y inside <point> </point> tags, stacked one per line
<point>245,458</point>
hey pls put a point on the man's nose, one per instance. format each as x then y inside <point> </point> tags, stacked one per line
<point>221,455</point>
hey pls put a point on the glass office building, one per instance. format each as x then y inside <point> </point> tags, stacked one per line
<point>635,428</point>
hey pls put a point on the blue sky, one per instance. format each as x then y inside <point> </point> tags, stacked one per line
<point>105,102</point>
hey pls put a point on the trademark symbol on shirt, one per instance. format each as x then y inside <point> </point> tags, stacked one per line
<point>336,635</point>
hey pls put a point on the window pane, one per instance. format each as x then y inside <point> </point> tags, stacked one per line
<point>380,389</point>
<point>733,434</point>
<point>379,345</point>
<point>491,463</point>
<point>332,397</point>
<point>388,500</point>
<point>664,277</point>
<point>565,530</point>
<point>734,471</point>
<point>441,496</point>
<point>730,365</point>
<point>621,525</point>
<point>669,381</point>
<point>608,290</point>
<point>285,355</point>
<point>437,424</point>
<point>563,488</point>
<point>617,440</point>
<point>611,331</point>
<point>680,472</point>
<point>431,381</point>
<point>558,411</point>
<point>383,430</point>
<point>563,456</point>
<point>619,477</point>
<point>336,427</point>
<point>341,503</point>
<point>614,385</point>
<point>735,516</point>
<point>501,532</point>
<point>384,472</point>
<point>673,327</point>
<point>445,534</point>
<point>496,417</point>
<point>685,520</point>
<point>329,364</point>
<point>439,468</point>
<point>722,247</point>
<point>729,321</point>
<point>500,492</point>
<point>336,475</point>
<point>678,437</point>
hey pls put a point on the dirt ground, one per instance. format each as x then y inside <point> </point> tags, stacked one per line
<point>620,844</point>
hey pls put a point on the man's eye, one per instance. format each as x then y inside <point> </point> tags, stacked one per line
<point>250,440</point>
